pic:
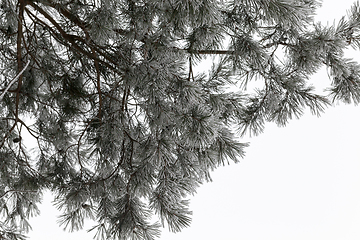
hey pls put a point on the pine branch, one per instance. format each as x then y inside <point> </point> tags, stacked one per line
<point>14,80</point>
<point>71,39</point>
<point>19,55</point>
<point>65,12</point>
<point>110,91</point>
<point>211,52</point>
<point>16,190</point>
<point>98,86</point>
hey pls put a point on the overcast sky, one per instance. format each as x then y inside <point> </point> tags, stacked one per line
<point>298,182</point>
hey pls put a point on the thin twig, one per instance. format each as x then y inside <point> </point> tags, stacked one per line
<point>14,80</point>
<point>14,190</point>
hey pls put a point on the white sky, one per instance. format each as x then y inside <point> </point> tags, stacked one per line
<point>298,182</point>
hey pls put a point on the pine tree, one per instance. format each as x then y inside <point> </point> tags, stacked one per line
<point>126,124</point>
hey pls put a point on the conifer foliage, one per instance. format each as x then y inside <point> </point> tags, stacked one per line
<point>126,125</point>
